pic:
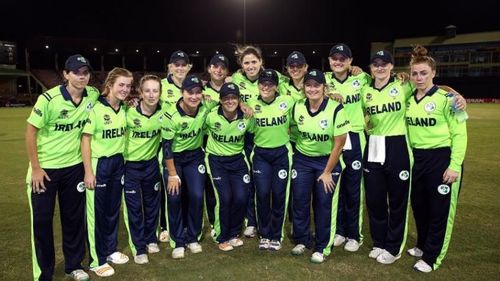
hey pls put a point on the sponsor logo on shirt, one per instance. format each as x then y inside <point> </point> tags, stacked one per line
<point>107,119</point>
<point>37,111</point>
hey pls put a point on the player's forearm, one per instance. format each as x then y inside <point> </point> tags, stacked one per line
<point>31,145</point>
<point>333,160</point>
<point>172,172</point>
<point>86,153</point>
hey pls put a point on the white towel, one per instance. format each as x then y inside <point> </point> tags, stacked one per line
<point>347,144</point>
<point>376,149</point>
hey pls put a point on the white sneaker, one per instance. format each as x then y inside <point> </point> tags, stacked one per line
<point>387,258</point>
<point>338,240</point>
<point>104,270</point>
<point>317,257</point>
<point>141,259</point>
<point>375,252</point>
<point>236,242</point>
<point>78,275</point>
<point>275,245</point>
<point>195,247</point>
<point>415,252</point>
<point>117,258</point>
<point>264,244</point>
<point>178,253</point>
<point>352,245</point>
<point>422,266</point>
<point>164,236</point>
<point>152,248</point>
<point>250,231</point>
<point>226,247</point>
<point>299,249</point>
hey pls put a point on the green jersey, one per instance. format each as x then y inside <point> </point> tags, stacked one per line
<point>249,90</point>
<point>107,128</point>
<point>170,93</point>
<point>185,131</point>
<point>317,130</point>
<point>143,134</point>
<point>350,89</point>
<point>432,124</point>
<point>211,92</point>
<point>272,121</point>
<point>60,122</point>
<point>226,137</point>
<point>386,108</point>
<point>286,87</point>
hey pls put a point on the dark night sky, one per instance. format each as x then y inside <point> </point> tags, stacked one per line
<point>268,21</point>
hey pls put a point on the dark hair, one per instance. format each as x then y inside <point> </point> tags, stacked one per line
<point>242,51</point>
<point>419,55</point>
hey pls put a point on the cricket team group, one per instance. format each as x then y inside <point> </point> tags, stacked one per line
<point>251,150</point>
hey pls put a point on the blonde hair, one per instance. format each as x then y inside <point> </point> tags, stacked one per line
<point>112,77</point>
<point>148,77</point>
<point>419,55</point>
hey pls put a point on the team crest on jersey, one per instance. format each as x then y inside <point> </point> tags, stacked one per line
<point>356,165</point>
<point>443,189</point>
<point>282,174</point>
<point>137,123</point>
<point>323,123</point>
<point>430,107</point>
<point>393,92</point>
<point>107,119</point>
<point>283,106</point>
<point>294,173</point>
<point>37,111</point>
<point>257,108</point>
<point>122,180</point>
<point>369,97</point>
<point>170,93</point>
<point>157,186</point>
<point>241,126</point>
<point>63,114</point>
<point>88,107</point>
<point>356,84</point>
<point>217,126</point>
<point>246,178</point>
<point>184,125</point>
<point>242,85</point>
<point>80,186</point>
<point>404,175</point>
<point>201,169</point>
<point>301,120</point>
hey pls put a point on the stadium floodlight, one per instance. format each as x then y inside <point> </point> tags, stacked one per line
<point>46,46</point>
<point>117,50</point>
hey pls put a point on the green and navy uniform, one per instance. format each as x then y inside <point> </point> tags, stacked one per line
<point>350,212</point>
<point>287,87</point>
<point>185,134</point>
<point>249,90</point>
<point>315,141</point>
<point>229,171</point>
<point>170,92</point>
<point>271,159</point>
<point>107,127</point>
<point>387,165</point>
<point>439,142</point>
<point>60,123</point>
<point>142,177</point>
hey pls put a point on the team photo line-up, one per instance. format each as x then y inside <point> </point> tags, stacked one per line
<point>252,149</point>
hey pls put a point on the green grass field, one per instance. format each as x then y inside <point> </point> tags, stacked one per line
<point>474,253</point>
